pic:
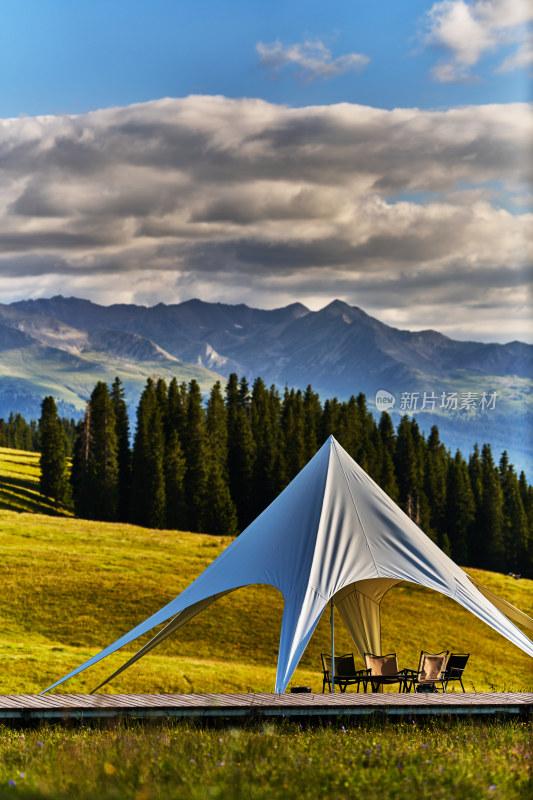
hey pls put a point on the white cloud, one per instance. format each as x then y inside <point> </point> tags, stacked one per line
<point>243,200</point>
<point>312,59</point>
<point>468,31</point>
<point>520,59</point>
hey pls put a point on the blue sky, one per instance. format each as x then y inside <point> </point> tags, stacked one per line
<point>372,151</point>
<point>68,56</point>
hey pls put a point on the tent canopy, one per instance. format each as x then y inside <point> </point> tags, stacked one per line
<point>332,534</point>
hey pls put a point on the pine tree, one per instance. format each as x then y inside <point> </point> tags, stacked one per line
<point>476,535</point>
<point>331,419</point>
<point>54,479</point>
<point>436,486</point>
<point>148,506</point>
<point>407,469</point>
<point>492,555</point>
<point>280,477</point>
<point>79,474</point>
<point>161,392</point>
<point>176,412</point>
<point>69,430</point>
<point>122,427</point>
<point>220,515</point>
<point>175,468</point>
<point>312,423</point>
<point>526,494</point>
<point>292,422</point>
<point>269,474</point>
<point>103,456</point>
<point>515,530</point>
<point>196,455</point>
<point>387,478</point>
<point>241,450</point>
<point>216,425</point>
<point>411,450</point>
<point>365,454</point>
<point>350,434</point>
<point>245,399</point>
<point>459,510</point>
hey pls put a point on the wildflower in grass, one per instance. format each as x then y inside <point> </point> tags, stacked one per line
<point>12,783</point>
<point>109,769</point>
<point>492,787</point>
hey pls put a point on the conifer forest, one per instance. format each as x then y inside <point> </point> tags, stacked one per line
<point>213,465</point>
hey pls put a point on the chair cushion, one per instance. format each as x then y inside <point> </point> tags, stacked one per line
<point>382,665</point>
<point>431,668</point>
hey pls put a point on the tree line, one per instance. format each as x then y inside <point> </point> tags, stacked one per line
<point>213,466</point>
<point>18,434</point>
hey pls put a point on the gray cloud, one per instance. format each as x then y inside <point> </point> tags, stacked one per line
<point>245,200</point>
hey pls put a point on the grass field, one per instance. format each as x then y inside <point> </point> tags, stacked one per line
<point>441,761</point>
<point>70,587</point>
<point>19,483</point>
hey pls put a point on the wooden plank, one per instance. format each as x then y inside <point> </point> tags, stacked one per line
<point>262,704</point>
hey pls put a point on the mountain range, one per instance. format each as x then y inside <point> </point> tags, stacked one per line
<point>61,346</point>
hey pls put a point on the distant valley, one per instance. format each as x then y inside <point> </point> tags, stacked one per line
<point>62,346</point>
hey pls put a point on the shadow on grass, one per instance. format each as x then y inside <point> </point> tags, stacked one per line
<point>20,494</point>
<point>23,484</point>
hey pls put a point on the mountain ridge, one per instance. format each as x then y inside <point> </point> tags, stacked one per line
<point>340,350</point>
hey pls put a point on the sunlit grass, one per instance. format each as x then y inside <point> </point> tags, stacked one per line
<point>438,760</point>
<point>71,587</point>
<point>19,483</point>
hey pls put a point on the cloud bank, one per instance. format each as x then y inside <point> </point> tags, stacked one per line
<point>403,212</point>
<point>467,32</point>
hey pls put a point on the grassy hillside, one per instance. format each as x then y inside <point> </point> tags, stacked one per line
<point>19,483</point>
<point>28,374</point>
<point>70,587</point>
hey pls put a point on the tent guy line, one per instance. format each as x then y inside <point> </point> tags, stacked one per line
<point>313,544</point>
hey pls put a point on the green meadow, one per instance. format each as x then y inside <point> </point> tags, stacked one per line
<point>436,761</point>
<point>19,483</point>
<point>71,586</point>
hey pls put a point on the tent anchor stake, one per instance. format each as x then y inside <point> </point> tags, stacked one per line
<point>332,647</point>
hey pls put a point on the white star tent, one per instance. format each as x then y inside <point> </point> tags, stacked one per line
<point>331,535</point>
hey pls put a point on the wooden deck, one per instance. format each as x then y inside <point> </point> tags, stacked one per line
<point>29,708</point>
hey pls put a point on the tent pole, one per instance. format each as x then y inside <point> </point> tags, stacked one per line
<point>332,648</point>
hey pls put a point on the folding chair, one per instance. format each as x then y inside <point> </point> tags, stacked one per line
<point>430,672</point>
<point>455,667</point>
<point>384,670</point>
<point>345,672</point>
